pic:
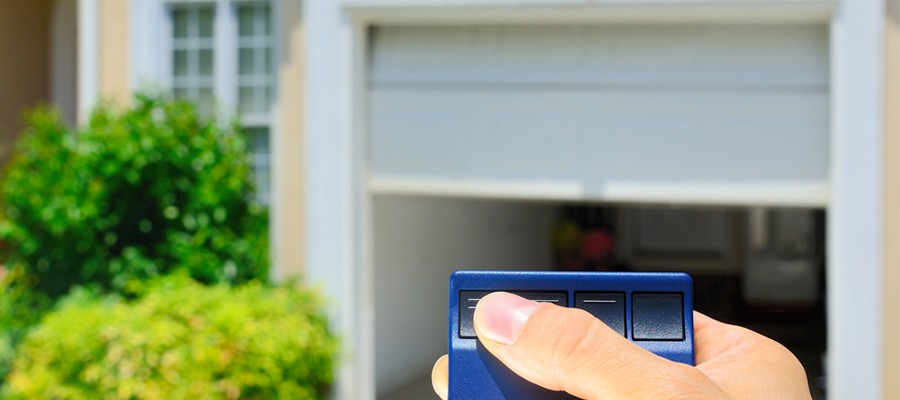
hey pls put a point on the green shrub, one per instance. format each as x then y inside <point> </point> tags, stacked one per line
<point>131,196</point>
<point>20,309</point>
<point>180,340</point>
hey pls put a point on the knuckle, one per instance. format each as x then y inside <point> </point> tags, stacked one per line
<point>786,360</point>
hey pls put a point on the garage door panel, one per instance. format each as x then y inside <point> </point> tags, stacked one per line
<point>657,144</point>
<point>592,137</point>
<point>417,48</point>
<point>803,47</point>
<point>710,112</point>
<point>419,136</point>
<point>611,55</point>
<point>536,137</point>
<point>537,48</point>
<point>717,136</point>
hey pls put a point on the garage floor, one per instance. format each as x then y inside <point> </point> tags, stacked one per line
<point>418,390</point>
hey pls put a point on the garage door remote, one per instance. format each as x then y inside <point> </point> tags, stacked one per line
<point>653,310</point>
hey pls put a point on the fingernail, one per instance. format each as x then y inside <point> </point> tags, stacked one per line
<point>500,316</point>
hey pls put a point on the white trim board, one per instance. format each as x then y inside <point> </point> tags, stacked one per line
<point>149,41</point>
<point>794,194</point>
<point>550,12</point>
<point>484,189</point>
<point>854,229</point>
<point>88,59</point>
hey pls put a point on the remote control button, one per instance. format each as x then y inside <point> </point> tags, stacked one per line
<point>657,316</point>
<point>608,307</point>
<point>467,302</point>
<point>468,299</point>
<point>559,298</point>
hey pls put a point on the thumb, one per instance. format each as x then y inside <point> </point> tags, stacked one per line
<point>568,349</point>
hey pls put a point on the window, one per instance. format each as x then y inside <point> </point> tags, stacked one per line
<point>192,54</point>
<point>255,60</point>
<point>256,84</point>
<point>222,58</point>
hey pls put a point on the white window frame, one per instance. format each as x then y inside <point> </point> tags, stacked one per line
<point>152,59</point>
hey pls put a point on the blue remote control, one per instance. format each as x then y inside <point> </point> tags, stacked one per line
<point>653,310</point>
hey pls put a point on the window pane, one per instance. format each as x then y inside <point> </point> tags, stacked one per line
<point>206,62</point>
<point>268,60</point>
<point>258,140</point>
<point>246,62</point>
<point>205,100</point>
<point>180,60</point>
<point>206,22</point>
<point>246,100</point>
<point>180,22</point>
<point>268,20</point>
<point>180,93</point>
<point>270,98</point>
<point>262,185</point>
<point>261,144</point>
<point>245,20</point>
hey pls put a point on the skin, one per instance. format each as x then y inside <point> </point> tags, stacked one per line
<point>568,349</point>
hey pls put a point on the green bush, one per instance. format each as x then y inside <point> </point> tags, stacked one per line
<point>131,196</point>
<point>179,340</point>
<point>20,309</point>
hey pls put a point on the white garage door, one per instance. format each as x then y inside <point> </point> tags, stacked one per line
<point>712,114</point>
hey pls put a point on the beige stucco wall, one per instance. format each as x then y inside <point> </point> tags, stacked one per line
<point>24,65</point>
<point>892,203</point>
<point>287,223</point>
<point>114,82</point>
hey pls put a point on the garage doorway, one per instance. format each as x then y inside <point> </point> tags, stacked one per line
<point>758,268</point>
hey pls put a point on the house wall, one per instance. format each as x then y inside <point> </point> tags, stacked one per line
<point>891,373</point>
<point>24,64</point>
<point>114,50</point>
<point>286,225</point>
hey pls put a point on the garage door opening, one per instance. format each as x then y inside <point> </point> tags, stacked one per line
<point>759,268</point>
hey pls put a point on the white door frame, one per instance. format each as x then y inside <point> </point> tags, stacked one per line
<point>88,60</point>
<point>338,198</point>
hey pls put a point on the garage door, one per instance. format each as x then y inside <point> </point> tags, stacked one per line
<point>710,114</point>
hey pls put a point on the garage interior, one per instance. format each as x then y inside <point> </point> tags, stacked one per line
<point>630,147</point>
<point>759,268</point>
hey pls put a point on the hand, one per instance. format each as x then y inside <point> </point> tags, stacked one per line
<point>568,349</point>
